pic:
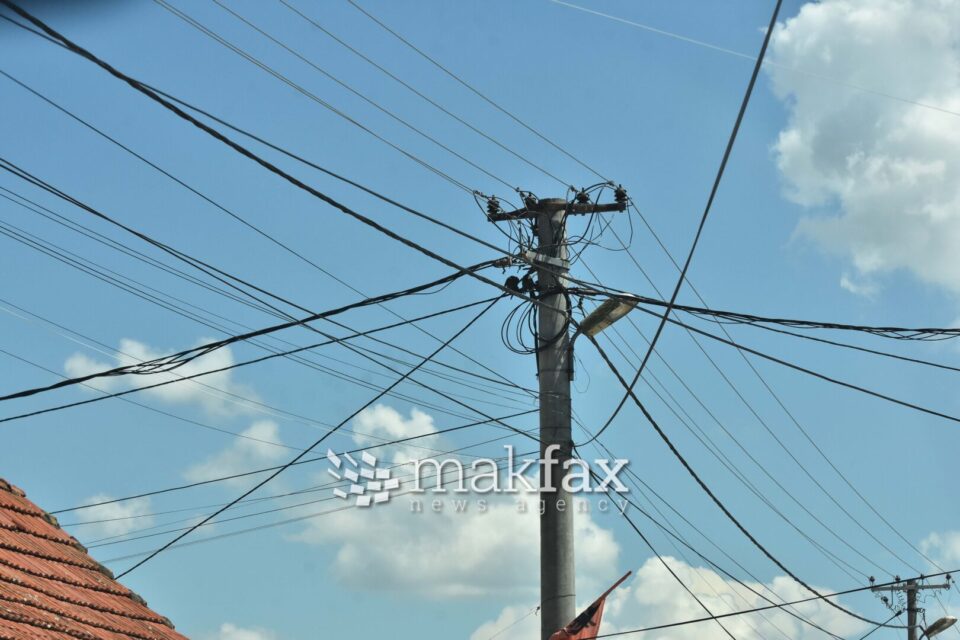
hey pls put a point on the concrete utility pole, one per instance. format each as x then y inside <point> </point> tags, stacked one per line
<point>554,371</point>
<point>911,587</point>
<point>557,567</point>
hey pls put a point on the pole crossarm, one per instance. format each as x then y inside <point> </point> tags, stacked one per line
<point>532,210</point>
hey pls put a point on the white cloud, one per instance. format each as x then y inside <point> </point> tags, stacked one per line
<point>118,518</point>
<point>891,169</point>
<point>654,597</point>
<point>943,547</point>
<point>381,422</point>
<point>230,631</point>
<point>242,454</point>
<point>185,392</point>
<point>859,286</point>
<point>451,554</point>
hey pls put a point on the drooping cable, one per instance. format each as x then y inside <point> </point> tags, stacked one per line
<point>703,218</point>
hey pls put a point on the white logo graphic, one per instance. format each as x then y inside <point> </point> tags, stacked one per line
<point>378,485</point>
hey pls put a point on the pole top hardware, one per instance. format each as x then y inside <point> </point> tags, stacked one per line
<point>534,207</point>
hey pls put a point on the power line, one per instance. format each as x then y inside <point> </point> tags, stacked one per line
<point>245,474</point>
<point>824,597</point>
<point>747,56</point>
<point>420,94</point>
<point>483,96</point>
<point>299,456</point>
<point>206,268</point>
<point>312,96</point>
<point>349,88</point>
<point>313,488</point>
<point>848,385</point>
<point>229,367</point>
<point>703,485</point>
<point>706,212</point>
<point>790,415</point>
<point>500,379</point>
<point>118,280</point>
<point>155,96</point>
<point>502,383</point>
<point>733,468</point>
<point>173,361</point>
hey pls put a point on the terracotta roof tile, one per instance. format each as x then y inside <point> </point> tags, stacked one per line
<point>51,589</point>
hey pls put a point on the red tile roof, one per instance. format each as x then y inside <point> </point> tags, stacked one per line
<point>50,589</point>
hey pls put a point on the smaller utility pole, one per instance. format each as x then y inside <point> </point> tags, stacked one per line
<point>911,587</point>
<point>554,372</point>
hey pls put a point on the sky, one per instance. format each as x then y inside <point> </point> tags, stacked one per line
<point>840,203</point>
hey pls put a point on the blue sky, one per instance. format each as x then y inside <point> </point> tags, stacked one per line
<point>798,230</point>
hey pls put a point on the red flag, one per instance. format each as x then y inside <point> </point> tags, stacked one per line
<point>586,626</point>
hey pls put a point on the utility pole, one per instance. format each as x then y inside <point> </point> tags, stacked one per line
<point>911,587</point>
<point>554,372</point>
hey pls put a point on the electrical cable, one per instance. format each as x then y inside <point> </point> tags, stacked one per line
<point>232,366</point>
<point>707,490</point>
<point>824,597</point>
<point>168,363</point>
<point>420,94</point>
<point>340,82</point>
<point>483,96</point>
<point>232,214</point>
<point>706,212</point>
<point>299,456</point>
<point>790,415</point>
<point>811,372</point>
<point>245,474</point>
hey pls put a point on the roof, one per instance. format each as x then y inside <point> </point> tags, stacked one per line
<point>51,589</point>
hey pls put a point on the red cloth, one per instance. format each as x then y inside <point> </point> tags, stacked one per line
<point>585,626</point>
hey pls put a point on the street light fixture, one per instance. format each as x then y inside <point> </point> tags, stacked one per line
<point>606,314</point>
<point>939,626</point>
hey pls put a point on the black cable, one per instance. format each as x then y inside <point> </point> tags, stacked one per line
<point>706,489</point>
<point>793,419</point>
<point>733,467</point>
<point>477,92</point>
<point>213,271</point>
<point>663,562</point>
<point>312,96</point>
<point>328,75</point>
<point>245,474</point>
<point>848,385</point>
<point>500,379</point>
<point>674,535</point>
<point>844,345</point>
<point>311,447</point>
<point>703,218</point>
<point>824,597</point>
<point>418,93</point>
<point>121,282</point>
<point>168,363</point>
<point>244,363</point>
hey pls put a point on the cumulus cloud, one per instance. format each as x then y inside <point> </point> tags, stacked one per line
<point>242,454</point>
<point>943,547</point>
<point>887,171</point>
<point>230,631</point>
<point>654,597</point>
<point>187,392</point>
<point>114,519</point>
<point>381,423</point>
<point>451,554</point>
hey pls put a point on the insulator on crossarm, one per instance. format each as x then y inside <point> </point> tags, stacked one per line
<point>620,195</point>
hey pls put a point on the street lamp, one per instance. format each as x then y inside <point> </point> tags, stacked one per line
<point>939,626</point>
<point>606,314</point>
